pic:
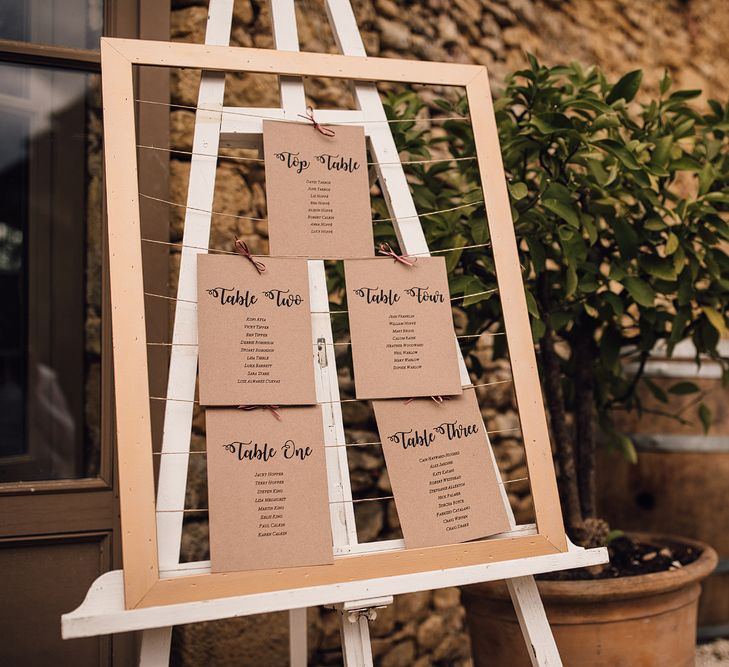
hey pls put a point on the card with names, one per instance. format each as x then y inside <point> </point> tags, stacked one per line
<point>254,332</point>
<point>317,191</point>
<point>267,488</point>
<point>438,459</point>
<point>401,326</point>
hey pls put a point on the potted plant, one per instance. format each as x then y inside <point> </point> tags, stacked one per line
<point>619,212</point>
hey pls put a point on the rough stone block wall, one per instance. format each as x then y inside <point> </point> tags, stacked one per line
<point>686,37</point>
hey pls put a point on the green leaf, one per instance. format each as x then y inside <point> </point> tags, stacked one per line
<point>686,163</point>
<point>716,319</point>
<point>626,237</point>
<point>615,302</point>
<point>620,152</point>
<point>567,213</point>
<point>705,416</point>
<point>628,448</point>
<point>671,243</point>
<point>613,535</point>
<point>707,176</point>
<point>518,190</point>
<point>657,392</point>
<point>665,82</point>
<point>550,123</point>
<point>662,151</point>
<point>721,197</point>
<point>640,290</point>
<point>657,267</point>
<point>538,329</point>
<point>532,304</point>
<point>571,286</point>
<point>683,388</point>
<point>626,88</point>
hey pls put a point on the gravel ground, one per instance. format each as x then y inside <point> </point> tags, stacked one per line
<point>713,654</point>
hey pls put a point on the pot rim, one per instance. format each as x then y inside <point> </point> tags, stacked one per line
<point>620,588</point>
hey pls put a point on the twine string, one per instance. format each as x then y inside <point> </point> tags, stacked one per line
<point>326,131</point>
<point>385,249</point>
<point>242,249</point>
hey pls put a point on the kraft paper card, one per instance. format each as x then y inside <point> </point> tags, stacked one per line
<point>445,486</point>
<point>254,332</point>
<point>267,489</point>
<point>317,191</point>
<point>401,328</point>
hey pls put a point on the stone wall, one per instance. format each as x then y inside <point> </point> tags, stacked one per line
<point>685,37</point>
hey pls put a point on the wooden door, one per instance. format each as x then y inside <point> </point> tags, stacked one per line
<point>59,526</point>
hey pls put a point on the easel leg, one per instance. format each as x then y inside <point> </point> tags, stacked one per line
<point>355,632</point>
<point>155,650</point>
<point>297,638</point>
<point>533,622</point>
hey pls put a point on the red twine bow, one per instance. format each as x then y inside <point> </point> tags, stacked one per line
<point>326,131</point>
<point>385,249</point>
<point>438,400</point>
<point>272,408</point>
<point>242,249</point>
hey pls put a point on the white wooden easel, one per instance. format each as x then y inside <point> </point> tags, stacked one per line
<point>103,610</point>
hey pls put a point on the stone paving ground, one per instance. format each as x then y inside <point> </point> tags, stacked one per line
<point>713,654</point>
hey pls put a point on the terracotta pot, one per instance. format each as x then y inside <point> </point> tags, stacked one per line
<point>643,621</point>
<point>680,481</point>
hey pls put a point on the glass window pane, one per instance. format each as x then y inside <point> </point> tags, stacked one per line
<point>50,303</point>
<point>72,23</point>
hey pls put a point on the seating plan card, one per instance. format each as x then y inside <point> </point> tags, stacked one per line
<point>254,332</point>
<point>317,191</point>
<point>437,454</point>
<point>401,326</point>
<point>267,489</point>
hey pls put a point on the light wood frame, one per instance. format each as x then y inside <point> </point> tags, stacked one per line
<point>142,583</point>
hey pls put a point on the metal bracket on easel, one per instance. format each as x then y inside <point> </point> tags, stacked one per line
<point>364,608</point>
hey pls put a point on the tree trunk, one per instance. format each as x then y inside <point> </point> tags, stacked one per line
<point>584,356</point>
<point>565,452</point>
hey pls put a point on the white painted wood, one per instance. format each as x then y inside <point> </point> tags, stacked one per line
<point>183,358</point>
<point>298,637</point>
<point>155,648</point>
<point>355,634</point>
<point>103,612</point>
<point>537,634</point>
<point>172,480</point>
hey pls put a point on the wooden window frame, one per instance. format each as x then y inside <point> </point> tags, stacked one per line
<point>142,583</point>
<point>122,18</point>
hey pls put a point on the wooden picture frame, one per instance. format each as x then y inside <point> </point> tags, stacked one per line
<point>143,584</point>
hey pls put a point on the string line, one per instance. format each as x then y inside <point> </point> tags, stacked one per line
<point>464,337</point>
<point>346,444</point>
<point>232,252</point>
<point>344,400</point>
<point>240,158</point>
<point>231,112</point>
<point>248,217</point>
<point>331,502</point>
<point>327,312</point>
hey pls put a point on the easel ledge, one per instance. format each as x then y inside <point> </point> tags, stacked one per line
<point>103,612</point>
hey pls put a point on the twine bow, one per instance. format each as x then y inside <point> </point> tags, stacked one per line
<point>385,249</point>
<point>326,131</point>
<point>242,249</point>
<point>272,408</point>
<point>438,400</point>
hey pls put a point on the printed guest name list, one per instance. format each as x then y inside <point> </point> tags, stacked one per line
<point>437,456</point>
<point>267,488</point>
<point>317,191</point>
<point>401,327</point>
<point>254,332</point>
